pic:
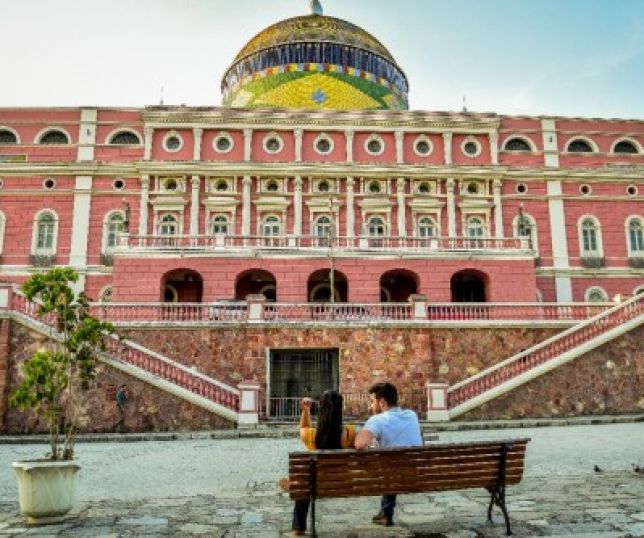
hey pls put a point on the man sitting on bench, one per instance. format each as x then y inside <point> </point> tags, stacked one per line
<point>390,426</point>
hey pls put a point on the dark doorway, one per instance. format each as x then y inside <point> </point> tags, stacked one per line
<point>468,287</point>
<point>182,286</point>
<point>254,282</point>
<point>296,373</point>
<point>319,287</point>
<point>396,286</point>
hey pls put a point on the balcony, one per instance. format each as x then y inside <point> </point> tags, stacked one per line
<point>313,245</point>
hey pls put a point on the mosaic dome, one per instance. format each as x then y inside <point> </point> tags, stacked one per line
<point>315,61</point>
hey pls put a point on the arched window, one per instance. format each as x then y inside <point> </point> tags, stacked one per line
<point>517,144</point>
<point>114,225</point>
<point>323,227</point>
<point>635,237</point>
<point>426,227</point>
<point>7,137</point>
<point>124,138</point>
<point>579,146</point>
<point>219,225</point>
<point>625,146</point>
<point>590,238</point>
<point>45,232</point>
<point>525,227</point>
<point>271,226</point>
<point>475,228</point>
<point>54,137</point>
<point>168,225</point>
<point>596,294</point>
<point>376,227</point>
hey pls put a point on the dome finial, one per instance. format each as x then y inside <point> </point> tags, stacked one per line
<point>316,7</point>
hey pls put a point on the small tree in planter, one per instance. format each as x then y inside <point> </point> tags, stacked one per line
<point>56,378</point>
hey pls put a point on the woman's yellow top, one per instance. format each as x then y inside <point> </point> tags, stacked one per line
<point>307,435</point>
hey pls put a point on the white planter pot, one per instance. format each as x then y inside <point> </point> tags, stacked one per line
<point>45,489</point>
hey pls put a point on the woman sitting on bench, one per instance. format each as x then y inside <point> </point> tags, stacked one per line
<point>330,434</point>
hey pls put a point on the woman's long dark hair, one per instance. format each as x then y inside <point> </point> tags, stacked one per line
<point>329,431</point>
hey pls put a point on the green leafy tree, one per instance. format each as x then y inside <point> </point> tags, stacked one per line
<point>56,378</point>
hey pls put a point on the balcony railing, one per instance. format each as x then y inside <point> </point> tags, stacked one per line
<point>236,312</point>
<point>219,242</point>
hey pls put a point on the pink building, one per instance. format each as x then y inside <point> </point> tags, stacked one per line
<point>315,183</point>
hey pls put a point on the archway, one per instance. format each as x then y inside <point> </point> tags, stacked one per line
<point>318,288</point>
<point>182,286</point>
<point>254,282</point>
<point>469,286</point>
<point>397,285</point>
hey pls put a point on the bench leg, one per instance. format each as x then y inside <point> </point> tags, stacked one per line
<point>313,532</point>
<point>497,496</point>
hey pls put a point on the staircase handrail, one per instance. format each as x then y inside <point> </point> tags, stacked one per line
<point>230,396</point>
<point>638,301</point>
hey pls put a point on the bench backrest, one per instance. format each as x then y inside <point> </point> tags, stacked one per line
<point>436,467</point>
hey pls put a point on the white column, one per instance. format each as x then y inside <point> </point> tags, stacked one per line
<point>87,134</point>
<point>559,242</point>
<point>498,210</point>
<point>298,133</point>
<point>494,147</point>
<point>400,154</point>
<point>349,137</point>
<point>297,230</point>
<point>248,139</point>
<point>80,228</point>
<point>143,207</point>
<point>351,217</point>
<point>147,148</point>
<point>194,206</point>
<point>197,134</point>
<point>246,182</point>
<point>451,208</point>
<point>402,218</point>
<point>550,147</point>
<point>447,147</point>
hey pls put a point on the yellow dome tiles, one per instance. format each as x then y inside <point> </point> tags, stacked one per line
<point>315,62</point>
<point>314,89</point>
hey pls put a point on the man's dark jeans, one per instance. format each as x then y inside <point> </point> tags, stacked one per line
<point>387,505</point>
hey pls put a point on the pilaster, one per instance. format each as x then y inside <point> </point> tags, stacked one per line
<point>402,217</point>
<point>197,134</point>
<point>87,134</point>
<point>451,208</point>
<point>195,183</point>
<point>447,147</point>
<point>349,139</point>
<point>246,183</point>
<point>400,138</point>
<point>80,228</point>
<point>147,143</point>
<point>248,140</point>
<point>297,230</point>
<point>298,133</point>
<point>559,242</point>
<point>351,217</point>
<point>143,206</point>
<point>494,147</point>
<point>498,209</point>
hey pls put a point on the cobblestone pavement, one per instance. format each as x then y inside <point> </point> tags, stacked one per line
<point>228,488</point>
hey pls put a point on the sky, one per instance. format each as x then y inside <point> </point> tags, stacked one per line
<point>520,57</point>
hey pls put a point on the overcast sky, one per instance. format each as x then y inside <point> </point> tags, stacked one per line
<point>538,57</point>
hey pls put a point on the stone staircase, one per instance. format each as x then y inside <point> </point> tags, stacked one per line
<point>450,402</point>
<point>148,366</point>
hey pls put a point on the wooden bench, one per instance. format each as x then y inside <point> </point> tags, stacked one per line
<point>492,465</point>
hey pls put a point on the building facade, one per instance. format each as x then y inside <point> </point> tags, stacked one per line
<point>314,183</point>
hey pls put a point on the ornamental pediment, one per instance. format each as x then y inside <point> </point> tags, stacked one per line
<point>168,202</point>
<point>270,203</point>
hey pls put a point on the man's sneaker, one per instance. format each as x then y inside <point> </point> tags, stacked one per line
<point>381,519</point>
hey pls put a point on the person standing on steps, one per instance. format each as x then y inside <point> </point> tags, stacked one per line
<point>389,426</point>
<point>121,399</point>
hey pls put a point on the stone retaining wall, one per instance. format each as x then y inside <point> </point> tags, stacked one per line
<point>409,356</point>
